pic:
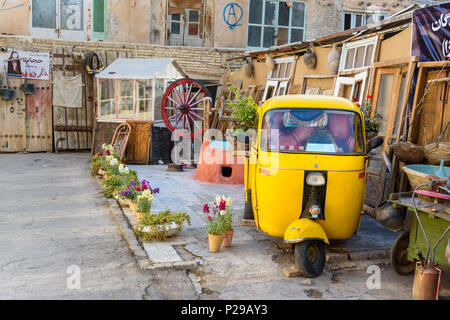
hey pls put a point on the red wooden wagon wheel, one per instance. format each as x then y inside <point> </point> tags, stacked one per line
<point>183,107</point>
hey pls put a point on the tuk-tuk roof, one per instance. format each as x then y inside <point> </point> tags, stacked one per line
<point>309,101</point>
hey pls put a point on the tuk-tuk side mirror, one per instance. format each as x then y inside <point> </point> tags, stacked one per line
<point>374,143</point>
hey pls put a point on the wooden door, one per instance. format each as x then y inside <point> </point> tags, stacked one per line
<point>435,111</point>
<point>12,119</point>
<point>388,95</point>
<point>39,117</point>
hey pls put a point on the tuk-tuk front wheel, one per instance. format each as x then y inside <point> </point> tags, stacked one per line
<point>310,257</point>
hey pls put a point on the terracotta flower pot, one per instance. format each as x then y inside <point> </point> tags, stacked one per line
<point>140,215</point>
<point>123,203</point>
<point>215,241</point>
<point>226,243</point>
<point>133,206</point>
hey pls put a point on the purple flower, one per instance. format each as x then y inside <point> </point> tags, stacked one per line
<point>156,190</point>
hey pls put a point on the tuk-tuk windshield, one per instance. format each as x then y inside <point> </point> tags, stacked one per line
<point>312,131</point>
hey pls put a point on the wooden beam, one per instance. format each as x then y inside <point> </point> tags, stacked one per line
<point>394,62</point>
<point>419,91</point>
<point>434,64</point>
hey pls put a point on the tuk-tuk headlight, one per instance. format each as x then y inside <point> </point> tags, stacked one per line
<point>315,179</point>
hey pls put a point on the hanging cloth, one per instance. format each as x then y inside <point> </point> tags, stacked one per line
<point>67,91</point>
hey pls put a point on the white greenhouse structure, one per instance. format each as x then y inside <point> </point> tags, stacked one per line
<point>133,88</point>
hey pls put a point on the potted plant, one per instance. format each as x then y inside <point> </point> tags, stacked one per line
<point>144,203</point>
<point>161,225</point>
<point>215,226</point>
<point>244,115</point>
<point>372,120</point>
<point>225,204</point>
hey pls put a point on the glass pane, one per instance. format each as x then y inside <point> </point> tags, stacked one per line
<point>359,57</point>
<point>369,55</point>
<point>99,15</point>
<point>175,28</point>
<point>254,36</point>
<point>347,21</point>
<point>107,100</point>
<point>296,35</point>
<point>269,37</point>
<point>384,99</point>
<point>193,16</point>
<point>144,101</point>
<point>283,14</point>
<point>176,17</point>
<point>282,73</point>
<point>193,29</point>
<point>255,12</point>
<point>283,36</point>
<point>125,98</point>
<point>288,69</point>
<point>44,14</point>
<point>312,130</point>
<point>370,19</point>
<point>275,71</point>
<point>349,58</point>
<point>269,16</point>
<point>399,104</point>
<point>71,13</point>
<point>358,20</point>
<point>298,14</point>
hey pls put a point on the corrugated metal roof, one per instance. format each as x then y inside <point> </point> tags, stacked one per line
<point>139,69</point>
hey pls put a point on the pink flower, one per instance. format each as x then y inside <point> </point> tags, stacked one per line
<point>206,208</point>
<point>369,96</point>
<point>100,153</point>
<point>108,153</point>
<point>138,189</point>
<point>222,205</point>
<point>209,218</point>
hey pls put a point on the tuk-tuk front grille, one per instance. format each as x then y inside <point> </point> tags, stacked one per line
<point>313,195</point>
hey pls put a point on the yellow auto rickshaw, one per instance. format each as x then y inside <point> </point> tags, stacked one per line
<point>305,174</point>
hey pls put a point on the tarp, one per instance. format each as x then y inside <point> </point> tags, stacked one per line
<point>431,33</point>
<point>141,69</point>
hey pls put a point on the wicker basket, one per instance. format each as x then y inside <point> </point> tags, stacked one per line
<point>436,152</point>
<point>409,152</point>
<point>416,177</point>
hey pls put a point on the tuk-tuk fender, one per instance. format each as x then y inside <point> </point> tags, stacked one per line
<point>304,229</point>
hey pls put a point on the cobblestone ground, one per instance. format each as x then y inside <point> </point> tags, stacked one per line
<point>52,216</point>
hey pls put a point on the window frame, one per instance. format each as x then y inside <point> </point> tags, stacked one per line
<point>263,25</point>
<point>355,45</point>
<point>188,23</point>
<point>100,35</point>
<point>364,15</point>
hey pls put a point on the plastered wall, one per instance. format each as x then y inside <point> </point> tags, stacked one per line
<point>15,17</point>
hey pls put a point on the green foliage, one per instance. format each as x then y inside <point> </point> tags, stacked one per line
<point>158,223</point>
<point>245,111</point>
<point>372,120</point>
<point>111,185</point>
<point>144,205</point>
<point>228,219</point>
<point>216,225</point>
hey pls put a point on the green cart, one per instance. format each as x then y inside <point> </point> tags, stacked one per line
<point>435,219</point>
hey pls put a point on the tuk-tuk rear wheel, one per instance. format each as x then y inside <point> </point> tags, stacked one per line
<point>310,257</point>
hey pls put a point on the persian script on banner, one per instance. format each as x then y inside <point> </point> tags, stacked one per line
<point>431,33</point>
<point>21,64</point>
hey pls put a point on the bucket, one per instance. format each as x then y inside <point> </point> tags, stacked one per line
<point>8,94</point>
<point>28,88</point>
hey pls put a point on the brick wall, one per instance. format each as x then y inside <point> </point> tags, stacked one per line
<point>199,63</point>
